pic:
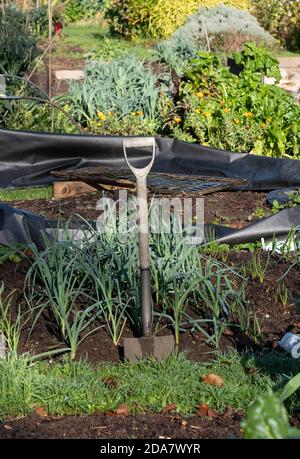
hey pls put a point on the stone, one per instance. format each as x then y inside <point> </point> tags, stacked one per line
<point>69,74</point>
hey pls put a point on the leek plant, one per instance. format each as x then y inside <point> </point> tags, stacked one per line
<point>56,274</point>
<point>112,303</point>
<point>176,300</point>
<point>91,282</point>
<point>10,328</point>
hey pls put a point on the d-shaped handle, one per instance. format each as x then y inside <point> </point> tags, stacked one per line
<point>139,142</point>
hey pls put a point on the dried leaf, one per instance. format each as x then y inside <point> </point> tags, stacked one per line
<point>212,413</point>
<point>122,410</point>
<point>110,413</point>
<point>213,379</point>
<point>40,411</point>
<point>110,382</point>
<point>169,407</point>
<point>236,225</point>
<point>202,410</point>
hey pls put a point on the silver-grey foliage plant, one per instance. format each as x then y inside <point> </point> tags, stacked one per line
<point>205,26</point>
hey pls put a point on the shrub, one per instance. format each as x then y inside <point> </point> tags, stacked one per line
<point>38,21</point>
<point>17,47</point>
<point>113,92</point>
<point>176,53</point>
<point>224,27</point>
<point>281,18</point>
<point>77,10</point>
<point>34,117</point>
<point>156,18</point>
<point>219,109</point>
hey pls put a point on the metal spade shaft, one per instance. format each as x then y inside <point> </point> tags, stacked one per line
<point>143,234</point>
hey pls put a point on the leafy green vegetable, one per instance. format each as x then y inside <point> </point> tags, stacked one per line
<point>267,419</point>
<point>217,108</point>
<point>290,387</point>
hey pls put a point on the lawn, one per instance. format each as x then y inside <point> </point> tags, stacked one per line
<point>82,40</point>
<point>25,194</point>
<point>64,388</point>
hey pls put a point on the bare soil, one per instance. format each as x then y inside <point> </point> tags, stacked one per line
<point>230,208</point>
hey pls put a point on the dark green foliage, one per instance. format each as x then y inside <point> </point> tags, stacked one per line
<point>84,9</point>
<point>267,419</point>
<point>17,47</point>
<point>237,112</point>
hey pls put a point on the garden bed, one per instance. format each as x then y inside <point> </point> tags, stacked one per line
<point>272,300</point>
<point>225,208</point>
<point>66,306</point>
<point>276,319</point>
<point>234,209</point>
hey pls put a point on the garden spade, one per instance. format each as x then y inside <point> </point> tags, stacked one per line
<point>147,345</point>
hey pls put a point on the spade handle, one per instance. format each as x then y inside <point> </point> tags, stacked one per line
<point>144,253</point>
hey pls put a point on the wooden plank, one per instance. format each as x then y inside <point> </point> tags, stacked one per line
<point>70,189</point>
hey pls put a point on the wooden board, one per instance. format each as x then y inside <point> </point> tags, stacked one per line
<point>71,189</point>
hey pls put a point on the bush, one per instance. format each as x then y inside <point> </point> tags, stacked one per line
<point>17,47</point>
<point>219,22</point>
<point>281,18</point>
<point>176,53</point>
<point>35,117</point>
<point>77,10</point>
<point>225,28</point>
<point>238,113</point>
<point>156,18</point>
<point>115,95</point>
<point>38,21</point>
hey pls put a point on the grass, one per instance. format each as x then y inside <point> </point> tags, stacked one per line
<point>97,36</point>
<point>147,387</point>
<point>26,194</point>
<point>285,53</point>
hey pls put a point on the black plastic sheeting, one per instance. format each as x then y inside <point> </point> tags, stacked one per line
<point>26,159</point>
<point>22,227</point>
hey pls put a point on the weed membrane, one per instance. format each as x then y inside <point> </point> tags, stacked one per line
<point>27,159</point>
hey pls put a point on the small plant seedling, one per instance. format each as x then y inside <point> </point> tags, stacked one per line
<point>257,268</point>
<point>260,212</point>
<point>282,294</point>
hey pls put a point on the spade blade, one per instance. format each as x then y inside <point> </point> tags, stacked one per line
<point>159,347</point>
